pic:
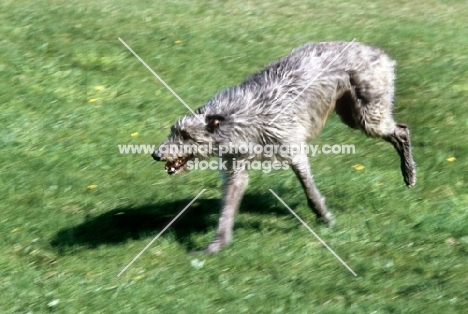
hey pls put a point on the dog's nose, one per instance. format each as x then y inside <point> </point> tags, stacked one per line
<point>156,156</point>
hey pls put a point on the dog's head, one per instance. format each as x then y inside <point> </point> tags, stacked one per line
<point>193,136</point>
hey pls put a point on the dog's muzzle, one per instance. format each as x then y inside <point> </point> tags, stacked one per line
<point>173,166</point>
<point>156,156</point>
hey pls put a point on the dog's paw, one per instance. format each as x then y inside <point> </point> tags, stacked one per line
<point>410,178</point>
<point>215,246</point>
<point>329,220</point>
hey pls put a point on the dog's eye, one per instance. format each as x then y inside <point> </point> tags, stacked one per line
<point>185,136</point>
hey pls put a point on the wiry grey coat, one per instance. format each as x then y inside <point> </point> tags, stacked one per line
<point>289,102</point>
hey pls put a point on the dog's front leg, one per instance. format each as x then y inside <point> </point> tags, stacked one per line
<point>235,182</point>
<point>300,166</point>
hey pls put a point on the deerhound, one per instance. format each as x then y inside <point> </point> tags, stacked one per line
<point>289,101</point>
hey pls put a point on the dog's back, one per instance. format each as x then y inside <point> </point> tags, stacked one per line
<point>300,90</point>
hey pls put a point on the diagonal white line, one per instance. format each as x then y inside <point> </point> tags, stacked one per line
<point>312,81</point>
<point>312,231</point>
<point>159,234</point>
<point>158,77</point>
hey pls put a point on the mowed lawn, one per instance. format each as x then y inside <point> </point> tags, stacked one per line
<point>75,212</point>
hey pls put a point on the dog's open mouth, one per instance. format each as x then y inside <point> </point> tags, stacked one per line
<point>177,166</point>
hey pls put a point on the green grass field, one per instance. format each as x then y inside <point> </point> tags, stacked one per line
<point>74,211</point>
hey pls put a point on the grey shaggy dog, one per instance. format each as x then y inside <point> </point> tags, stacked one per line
<point>358,86</point>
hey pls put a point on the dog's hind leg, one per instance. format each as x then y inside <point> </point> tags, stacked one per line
<point>368,105</point>
<point>300,166</point>
<point>235,183</point>
<point>380,123</point>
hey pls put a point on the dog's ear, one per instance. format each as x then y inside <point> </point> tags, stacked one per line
<point>213,122</point>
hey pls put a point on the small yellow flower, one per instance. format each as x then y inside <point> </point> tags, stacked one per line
<point>451,159</point>
<point>93,100</point>
<point>358,167</point>
<point>134,134</point>
<point>14,230</point>
<point>139,277</point>
<point>380,184</point>
<point>177,42</point>
<point>460,88</point>
<point>92,186</point>
<point>451,241</point>
<point>99,87</point>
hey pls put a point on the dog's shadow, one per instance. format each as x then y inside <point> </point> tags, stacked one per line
<point>121,224</point>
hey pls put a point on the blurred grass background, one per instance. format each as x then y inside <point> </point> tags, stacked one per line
<point>75,211</point>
